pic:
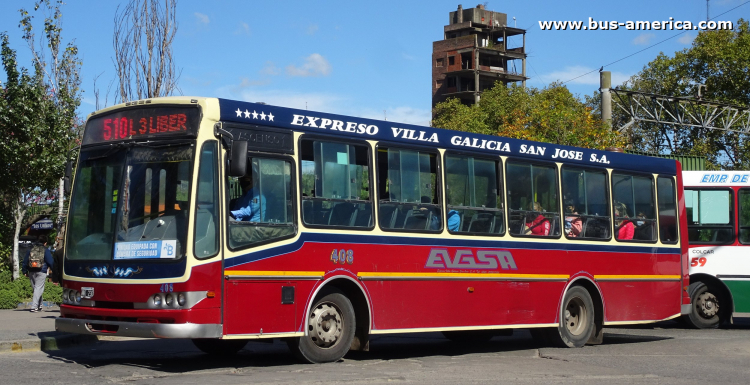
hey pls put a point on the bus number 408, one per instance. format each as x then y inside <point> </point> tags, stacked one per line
<point>342,256</point>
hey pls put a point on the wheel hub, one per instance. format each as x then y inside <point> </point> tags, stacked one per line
<point>325,325</point>
<point>575,316</point>
<point>708,305</point>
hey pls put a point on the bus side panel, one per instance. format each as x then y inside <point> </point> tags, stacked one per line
<point>445,304</point>
<point>640,301</point>
<point>255,307</point>
<point>740,290</point>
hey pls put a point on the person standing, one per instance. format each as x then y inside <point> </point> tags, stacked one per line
<point>35,265</point>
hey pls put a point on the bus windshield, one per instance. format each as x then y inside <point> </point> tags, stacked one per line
<point>131,203</point>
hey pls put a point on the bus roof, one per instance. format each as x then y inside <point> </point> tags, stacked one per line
<point>354,127</point>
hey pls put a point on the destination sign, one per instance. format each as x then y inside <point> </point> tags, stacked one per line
<point>142,123</point>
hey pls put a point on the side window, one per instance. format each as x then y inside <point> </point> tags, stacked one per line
<point>407,189</point>
<point>709,215</point>
<point>206,213</point>
<point>260,205</point>
<point>585,204</point>
<point>532,199</point>
<point>744,228</point>
<point>472,193</point>
<point>634,209</point>
<point>667,209</point>
<point>335,184</point>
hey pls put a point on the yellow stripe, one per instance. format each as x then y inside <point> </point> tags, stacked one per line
<point>647,277</point>
<point>275,273</point>
<point>459,275</point>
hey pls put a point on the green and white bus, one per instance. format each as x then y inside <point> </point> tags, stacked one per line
<point>718,214</point>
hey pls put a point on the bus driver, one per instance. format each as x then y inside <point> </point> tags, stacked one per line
<point>251,204</point>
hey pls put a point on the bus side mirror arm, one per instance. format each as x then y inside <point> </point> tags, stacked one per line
<point>237,151</point>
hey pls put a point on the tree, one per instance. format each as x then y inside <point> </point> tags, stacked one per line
<point>38,120</point>
<point>142,39</point>
<point>720,60</point>
<point>552,115</point>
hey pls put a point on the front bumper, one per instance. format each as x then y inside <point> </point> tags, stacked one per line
<point>138,329</point>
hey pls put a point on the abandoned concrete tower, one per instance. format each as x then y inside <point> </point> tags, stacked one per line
<point>474,54</point>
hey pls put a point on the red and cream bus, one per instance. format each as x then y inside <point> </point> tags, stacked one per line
<point>224,221</point>
<point>718,215</point>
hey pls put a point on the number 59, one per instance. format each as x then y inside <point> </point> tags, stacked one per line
<point>695,261</point>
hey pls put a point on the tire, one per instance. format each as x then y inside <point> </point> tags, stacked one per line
<point>705,306</point>
<point>469,336</point>
<point>219,347</point>
<point>576,319</point>
<point>330,330</point>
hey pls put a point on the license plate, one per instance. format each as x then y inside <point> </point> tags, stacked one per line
<point>87,292</point>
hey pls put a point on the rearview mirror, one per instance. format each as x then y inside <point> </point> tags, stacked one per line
<point>238,158</point>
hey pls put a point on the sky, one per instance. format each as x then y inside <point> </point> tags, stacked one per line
<point>364,58</point>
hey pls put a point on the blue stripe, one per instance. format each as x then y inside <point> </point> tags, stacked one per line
<point>362,239</point>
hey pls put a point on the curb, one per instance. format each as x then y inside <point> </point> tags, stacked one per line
<point>53,341</point>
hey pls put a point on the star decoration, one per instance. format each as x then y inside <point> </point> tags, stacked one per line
<point>255,115</point>
<point>270,117</point>
<point>262,116</point>
<point>247,114</point>
<point>239,113</point>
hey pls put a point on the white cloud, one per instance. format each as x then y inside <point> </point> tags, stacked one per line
<point>270,69</point>
<point>575,71</point>
<point>315,65</point>
<point>203,19</point>
<point>643,38</point>
<point>311,29</point>
<point>408,57</point>
<point>686,39</point>
<point>243,29</point>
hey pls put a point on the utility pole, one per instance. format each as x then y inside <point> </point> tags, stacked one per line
<point>605,83</point>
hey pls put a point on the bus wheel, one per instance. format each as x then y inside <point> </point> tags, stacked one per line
<point>705,310</point>
<point>219,347</point>
<point>577,319</point>
<point>330,330</point>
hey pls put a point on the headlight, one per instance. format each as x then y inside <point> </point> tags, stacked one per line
<point>181,299</point>
<point>72,295</point>
<point>78,296</point>
<point>157,300</point>
<point>170,300</point>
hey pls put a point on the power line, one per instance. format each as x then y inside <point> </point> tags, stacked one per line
<point>651,46</point>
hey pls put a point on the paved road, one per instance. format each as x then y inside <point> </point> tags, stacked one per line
<point>665,354</point>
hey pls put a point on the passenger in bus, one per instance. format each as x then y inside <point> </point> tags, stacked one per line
<point>540,225</point>
<point>251,204</point>
<point>573,222</point>
<point>454,220</point>
<point>624,228</point>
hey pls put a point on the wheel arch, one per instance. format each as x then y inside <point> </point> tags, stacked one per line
<point>357,295</point>
<point>597,298</point>
<point>711,280</point>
